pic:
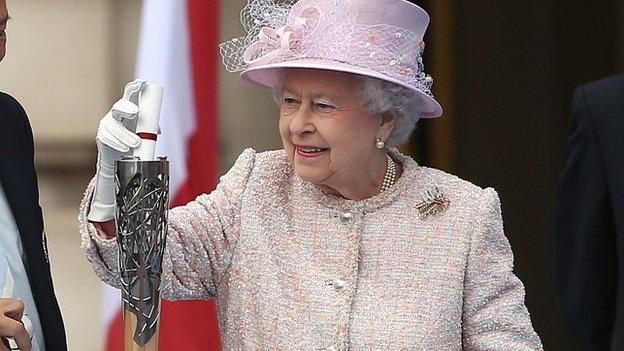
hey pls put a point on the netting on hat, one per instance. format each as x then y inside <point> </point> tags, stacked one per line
<point>326,30</point>
<point>256,15</point>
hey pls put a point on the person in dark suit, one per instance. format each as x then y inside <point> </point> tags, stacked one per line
<point>26,290</point>
<point>589,218</point>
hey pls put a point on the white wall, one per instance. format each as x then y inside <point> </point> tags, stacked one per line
<point>58,64</point>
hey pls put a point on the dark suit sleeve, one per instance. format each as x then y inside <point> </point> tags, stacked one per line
<point>29,149</point>
<point>24,138</point>
<point>585,245</point>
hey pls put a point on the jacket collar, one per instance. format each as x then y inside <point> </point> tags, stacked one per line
<point>413,179</point>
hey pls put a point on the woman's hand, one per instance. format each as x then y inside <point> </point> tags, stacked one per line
<point>115,139</point>
<point>11,311</point>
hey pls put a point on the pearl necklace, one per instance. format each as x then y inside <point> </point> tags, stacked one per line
<point>390,177</point>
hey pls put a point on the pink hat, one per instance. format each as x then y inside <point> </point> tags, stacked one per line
<point>375,38</point>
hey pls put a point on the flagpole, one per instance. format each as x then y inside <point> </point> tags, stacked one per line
<point>130,325</point>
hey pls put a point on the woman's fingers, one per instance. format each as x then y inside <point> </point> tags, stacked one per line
<point>112,133</point>
<point>124,109</point>
<point>126,112</point>
<point>119,131</point>
<point>107,138</point>
<point>133,90</point>
<point>114,129</point>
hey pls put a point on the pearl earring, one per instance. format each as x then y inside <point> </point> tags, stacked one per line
<point>380,144</point>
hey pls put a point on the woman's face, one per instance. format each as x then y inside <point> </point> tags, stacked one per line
<point>327,134</point>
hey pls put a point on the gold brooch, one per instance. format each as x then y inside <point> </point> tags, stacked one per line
<point>433,202</point>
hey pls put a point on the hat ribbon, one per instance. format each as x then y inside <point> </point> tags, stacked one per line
<point>283,39</point>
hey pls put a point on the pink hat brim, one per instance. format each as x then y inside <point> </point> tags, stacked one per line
<point>266,76</point>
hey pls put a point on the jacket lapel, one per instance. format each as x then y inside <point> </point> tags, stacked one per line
<point>19,193</point>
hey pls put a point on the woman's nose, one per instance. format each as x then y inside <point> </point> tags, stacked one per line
<point>301,122</point>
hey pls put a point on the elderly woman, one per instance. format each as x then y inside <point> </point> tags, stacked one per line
<point>338,241</point>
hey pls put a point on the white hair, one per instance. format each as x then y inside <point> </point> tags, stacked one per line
<point>382,98</point>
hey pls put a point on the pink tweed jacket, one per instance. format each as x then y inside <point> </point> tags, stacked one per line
<point>294,268</point>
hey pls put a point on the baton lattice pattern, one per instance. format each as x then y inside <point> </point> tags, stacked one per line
<point>142,228</point>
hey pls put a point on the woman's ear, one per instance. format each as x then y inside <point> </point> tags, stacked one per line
<point>386,126</point>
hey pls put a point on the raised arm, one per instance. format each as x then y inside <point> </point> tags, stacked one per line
<point>200,238</point>
<point>200,234</point>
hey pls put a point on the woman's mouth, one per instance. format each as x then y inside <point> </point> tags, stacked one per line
<point>309,151</point>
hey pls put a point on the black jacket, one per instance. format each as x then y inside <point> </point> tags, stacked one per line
<point>19,181</point>
<point>589,218</point>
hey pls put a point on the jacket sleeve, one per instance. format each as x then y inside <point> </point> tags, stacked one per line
<point>201,237</point>
<point>584,236</point>
<point>494,317</point>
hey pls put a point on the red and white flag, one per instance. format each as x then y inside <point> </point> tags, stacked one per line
<point>178,50</point>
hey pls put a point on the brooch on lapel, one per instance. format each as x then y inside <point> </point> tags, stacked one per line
<point>433,201</point>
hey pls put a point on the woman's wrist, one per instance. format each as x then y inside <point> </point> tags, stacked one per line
<point>106,230</point>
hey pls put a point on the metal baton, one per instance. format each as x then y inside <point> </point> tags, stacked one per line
<point>141,217</point>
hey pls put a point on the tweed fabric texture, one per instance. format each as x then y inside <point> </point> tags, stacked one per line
<point>295,268</point>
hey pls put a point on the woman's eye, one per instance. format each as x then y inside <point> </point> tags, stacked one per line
<point>290,101</point>
<point>325,107</point>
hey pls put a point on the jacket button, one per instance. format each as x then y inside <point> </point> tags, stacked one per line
<point>339,284</point>
<point>346,216</point>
